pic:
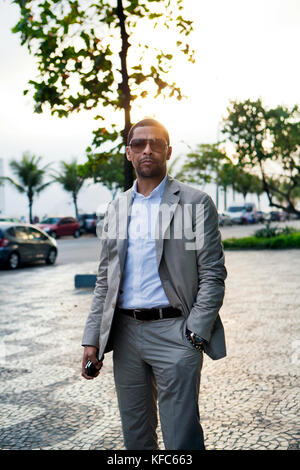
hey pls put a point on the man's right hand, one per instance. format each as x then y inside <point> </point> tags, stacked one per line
<point>90,354</point>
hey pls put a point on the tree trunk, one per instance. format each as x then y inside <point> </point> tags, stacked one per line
<point>30,194</point>
<point>225,199</point>
<point>75,205</point>
<point>290,208</point>
<point>30,210</point>
<point>258,201</point>
<point>233,193</point>
<point>125,93</point>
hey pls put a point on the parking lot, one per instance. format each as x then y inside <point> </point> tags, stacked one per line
<point>249,400</point>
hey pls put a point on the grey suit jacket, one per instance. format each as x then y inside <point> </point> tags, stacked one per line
<point>190,262</point>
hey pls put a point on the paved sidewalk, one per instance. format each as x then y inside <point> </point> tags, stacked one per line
<point>249,400</point>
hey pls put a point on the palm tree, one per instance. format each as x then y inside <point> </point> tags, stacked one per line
<point>70,180</point>
<point>29,177</point>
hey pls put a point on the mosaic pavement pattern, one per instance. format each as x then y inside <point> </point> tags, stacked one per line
<point>249,400</point>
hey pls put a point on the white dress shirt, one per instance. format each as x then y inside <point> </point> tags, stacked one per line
<point>140,285</point>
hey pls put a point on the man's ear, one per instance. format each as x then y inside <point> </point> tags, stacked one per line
<point>128,154</point>
<point>169,153</point>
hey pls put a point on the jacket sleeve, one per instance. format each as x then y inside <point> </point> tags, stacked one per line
<point>92,327</point>
<point>211,274</point>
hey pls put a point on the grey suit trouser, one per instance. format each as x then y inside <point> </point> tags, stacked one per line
<point>154,360</point>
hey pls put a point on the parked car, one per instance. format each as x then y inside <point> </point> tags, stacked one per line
<point>25,243</point>
<point>60,226</point>
<point>284,216</point>
<point>243,214</point>
<point>294,216</point>
<point>87,222</point>
<point>274,216</point>
<point>278,216</point>
<point>261,216</point>
<point>224,219</point>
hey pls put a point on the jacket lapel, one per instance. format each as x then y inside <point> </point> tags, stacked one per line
<point>167,209</point>
<point>123,213</point>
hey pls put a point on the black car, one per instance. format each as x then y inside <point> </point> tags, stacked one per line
<point>261,217</point>
<point>25,243</point>
<point>87,222</point>
<point>275,216</point>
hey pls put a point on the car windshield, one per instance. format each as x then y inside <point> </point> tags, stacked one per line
<point>236,209</point>
<point>50,220</point>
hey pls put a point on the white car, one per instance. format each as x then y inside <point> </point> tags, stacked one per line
<point>243,214</point>
<point>224,219</point>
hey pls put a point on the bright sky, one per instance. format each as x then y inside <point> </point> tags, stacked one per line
<point>244,49</point>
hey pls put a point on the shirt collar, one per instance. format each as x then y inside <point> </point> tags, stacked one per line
<point>158,191</point>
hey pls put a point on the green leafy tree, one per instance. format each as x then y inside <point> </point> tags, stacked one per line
<point>203,165</point>
<point>30,177</point>
<point>243,182</point>
<point>106,170</point>
<point>294,195</point>
<point>225,176</point>
<point>70,179</point>
<point>91,55</point>
<point>269,141</point>
<point>257,188</point>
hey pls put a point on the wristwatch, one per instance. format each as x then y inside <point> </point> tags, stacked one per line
<point>195,340</point>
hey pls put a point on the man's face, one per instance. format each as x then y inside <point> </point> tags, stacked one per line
<point>149,152</point>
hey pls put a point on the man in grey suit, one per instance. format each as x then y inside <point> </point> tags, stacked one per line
<point>156,303</point>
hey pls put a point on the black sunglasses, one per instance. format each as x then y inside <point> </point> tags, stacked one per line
<point>157,145</point>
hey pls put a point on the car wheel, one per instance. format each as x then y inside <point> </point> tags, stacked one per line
<point>14,261</point>
<point>51,256</point>
<point>53,234</point>
<point>76,234</point>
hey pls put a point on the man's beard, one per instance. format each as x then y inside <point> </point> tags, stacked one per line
<point>152,172</point>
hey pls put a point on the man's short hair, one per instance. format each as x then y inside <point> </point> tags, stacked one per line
<point>148,122</point>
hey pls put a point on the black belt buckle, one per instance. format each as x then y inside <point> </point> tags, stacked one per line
<point>157,313</point>
<point>135,312</point>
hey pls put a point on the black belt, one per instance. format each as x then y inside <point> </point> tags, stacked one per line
<point>151,313</point>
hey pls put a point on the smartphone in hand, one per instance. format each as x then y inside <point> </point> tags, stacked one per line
<point>91,369</point>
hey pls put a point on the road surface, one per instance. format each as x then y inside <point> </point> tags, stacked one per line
<point>76,251</point>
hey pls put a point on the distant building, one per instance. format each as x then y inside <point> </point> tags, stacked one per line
<point>2,199</point>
